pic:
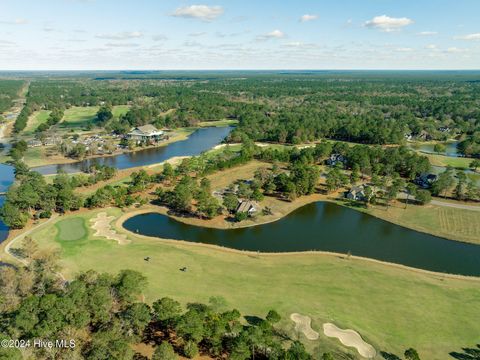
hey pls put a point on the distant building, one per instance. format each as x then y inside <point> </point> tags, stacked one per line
<point>145,133</point>
<point>425,180</point>
<point>408,136</point>
<point>444,129</point>
<point>423,135</point>
<point>247,206</point>
<point>357,193</point>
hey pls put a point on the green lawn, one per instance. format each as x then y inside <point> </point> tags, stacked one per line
<point>80,117</point>
<point>391,307</point>
<point>442,160</point>
<point>37,118</point>
<point>72,228</point>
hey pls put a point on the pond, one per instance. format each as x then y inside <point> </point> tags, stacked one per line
<point>201,140</point>
<point>6,179</point>
<point>450,149</point>
<point>326,227</point>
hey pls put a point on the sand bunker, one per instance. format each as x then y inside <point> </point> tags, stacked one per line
<point>303,324</point>
<point>351,338</point>
<point>101,223</point>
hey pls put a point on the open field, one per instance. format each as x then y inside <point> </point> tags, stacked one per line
<point>392,308</point>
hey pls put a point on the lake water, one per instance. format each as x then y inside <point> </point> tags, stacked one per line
<point>201,140</point>
<point>6,179</point>
<point>326,227</point>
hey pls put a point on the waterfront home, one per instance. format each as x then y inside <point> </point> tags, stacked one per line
<point>357,193</point>
<point>247,206</point>
<point>425,180</point>
<point>146,133</point>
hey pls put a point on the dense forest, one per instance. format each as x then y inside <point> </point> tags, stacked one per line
<point>290,108</point>
<point>9,90</point>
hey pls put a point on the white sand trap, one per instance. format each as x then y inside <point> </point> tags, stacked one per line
<point>101,223</point>
<point>351,338</point>
<point>303,324</point>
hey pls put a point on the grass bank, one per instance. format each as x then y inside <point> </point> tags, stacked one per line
<point>393,308</point>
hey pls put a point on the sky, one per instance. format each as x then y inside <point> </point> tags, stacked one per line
<point>239,34</point>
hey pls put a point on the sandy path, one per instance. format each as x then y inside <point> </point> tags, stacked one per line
<point>303,324</point>
<point>101,223</point>
<point>350,338</point>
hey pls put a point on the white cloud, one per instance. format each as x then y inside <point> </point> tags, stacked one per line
<point>431,47</point>
<point>197,34</point>
<point>387,23</point>
<point>275,34</point>
<point>122,45</point>
<point>428,33</point>
<point>455,50</point>
<point>308,17</point>
<point>120,36</point>
<point>404,49</point>
<point>202,12</point>
<point>470,37</point>
<point>15,22</point>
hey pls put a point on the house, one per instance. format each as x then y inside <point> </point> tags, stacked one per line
<point>425,180</point>
<point>425,136</point>
<point>146,133</point>
<point>444,129</point>
<point>408,136</point>
<point>334,159</point>
<point>357,193</point>
<point>34,143</point>
<point>247,206</point>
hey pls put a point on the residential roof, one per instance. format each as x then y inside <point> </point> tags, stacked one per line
<point>246,206</point>
<point>146,130</point>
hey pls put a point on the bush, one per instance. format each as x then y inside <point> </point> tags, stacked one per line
<point>190,349</point>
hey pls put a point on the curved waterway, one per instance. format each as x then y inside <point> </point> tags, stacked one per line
<point>326,227</point>
<point>201,140</point>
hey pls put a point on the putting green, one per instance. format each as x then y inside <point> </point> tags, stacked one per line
<point>71,229</point>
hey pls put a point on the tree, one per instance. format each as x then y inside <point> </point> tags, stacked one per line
<point>241,216</point>
<point>444,183</point>
<point>136,317</point>
<point>411,191</point>
<point>273,317</point>
<point>411,354</point>
<point>166,310</point>
<point>423,197</point>
<point>439,148</point>
<point>13,217</point>
<point>168,173</point>
<point>230,201</point>
<point>475,164</point>
<point>104,114</point>
<point>327,356</point>
<point>164,352</point>
<point>190,349</point>
<point>459,191</point>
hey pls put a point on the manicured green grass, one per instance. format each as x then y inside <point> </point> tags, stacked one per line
<point>448,222</point>
<point>119,110</point>
<point>80,117</point>
<point>391,307</point>
<point>442,160</point>
<point>37,118</point>
<point>72,228</point>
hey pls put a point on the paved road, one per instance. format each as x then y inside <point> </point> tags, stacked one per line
<point>403,195</point>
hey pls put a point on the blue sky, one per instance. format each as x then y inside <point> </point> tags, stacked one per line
<point>239,34</point>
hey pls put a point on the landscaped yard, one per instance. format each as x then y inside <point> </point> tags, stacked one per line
<point>392,308</point>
